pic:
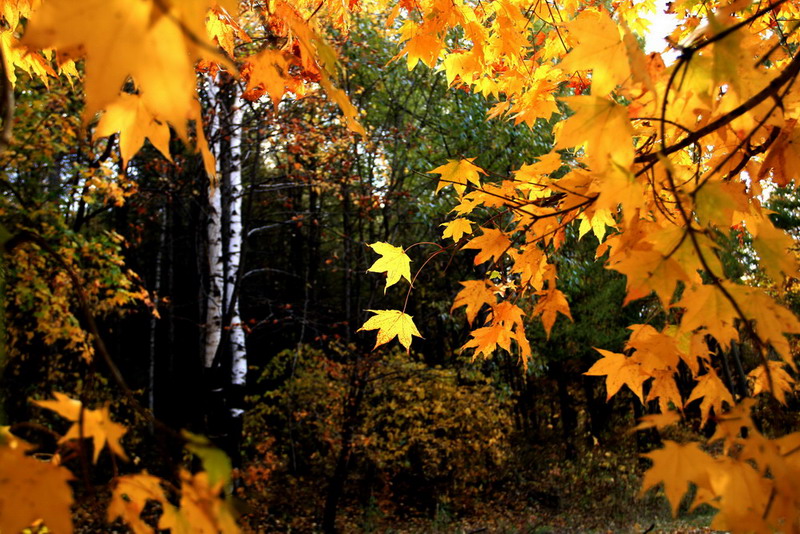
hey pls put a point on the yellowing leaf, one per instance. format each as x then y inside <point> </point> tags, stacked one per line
<point>599,49</point>
<point>391,323</point>
<point>129,116</point>
<point>657,420</point>
<point>485,340</point>
<point>491,244</point>
<point>201,508</point>
<point>774,248</point>
<point>782,382</point>
<point>713,392</point>
<point>215,462</point>
<point>32,490</point>
<point>456,228</point>
<point>602,126</point>
<point>97,424</point>
<point>129,497</point>
<point>619,371</point>
<point>676,465</point>
<point>457,173</point>
<point>394,262</point>
<point>268,69</point>
<point>551,302</point>
<point>474,295</point>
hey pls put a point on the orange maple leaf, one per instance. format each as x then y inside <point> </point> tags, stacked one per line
<point>619,371</point>
<point>474,295</point>
<point>492,244</point>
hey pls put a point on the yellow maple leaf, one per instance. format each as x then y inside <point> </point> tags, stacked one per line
<point>665,390</point>
<point>121,39</point>
<point>202,508</point>
<point>676,465</point>
<point>391,323</point>
<point>774,248</point>
<point>599,49</point>
<point>129,116</point>
<point>458,173</point>
<point>602,126</point>
<point>782,383</point>
<point>713,392</point>
<point>393,261</point>
<point>492,244</point>
<point>456,228</point>
<point>129,497</point>
<point>619,371</point>
<point>97,424</point>
<point>707,307</point>
<point>551,302</point>
<point>32,490</point>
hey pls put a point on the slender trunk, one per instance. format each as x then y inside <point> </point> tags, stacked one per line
<point>151,364</point>
<point>214,257</point>
<point>234,256</point>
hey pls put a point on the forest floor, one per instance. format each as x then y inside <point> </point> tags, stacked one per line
<point>599,493</point>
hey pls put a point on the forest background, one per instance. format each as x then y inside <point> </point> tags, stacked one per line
<point>189,319</point>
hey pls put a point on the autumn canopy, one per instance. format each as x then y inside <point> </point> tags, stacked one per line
<point>659,160</point>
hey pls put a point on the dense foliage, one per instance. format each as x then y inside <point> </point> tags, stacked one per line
<point>217,216</point>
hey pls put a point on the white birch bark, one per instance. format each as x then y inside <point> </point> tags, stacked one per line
<point>214,309</point>
<point>238,352</point>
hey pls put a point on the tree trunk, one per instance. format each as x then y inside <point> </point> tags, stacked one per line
<point>232,277</point>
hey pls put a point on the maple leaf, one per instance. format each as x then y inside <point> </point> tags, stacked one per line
<point>456,228</point>
<point>619,371</point>
<point>599,124</point>
<point>551,302</point>
<point>650,271</point>
<point>665,390</point>
<point>268,69</point>
<point>130,116</point>
<point>783,157</point>
<point>486,339</point>
<point>677,465</point>
<point>391,323</point>
<point>713,392</point>
<point>97,424</point>
<point>393,261</point>
<point>155,43</point>
<point>201,508</point>
<point>129,496</point>
<point>774,251</point>
<point>458,173</point>
<point>706,306</point>
<point>492,243</point>
<point>32,490</point>
<point>599,49</point>
<point>782,382</point>
<point>597,223</point>
<point>474,295</point>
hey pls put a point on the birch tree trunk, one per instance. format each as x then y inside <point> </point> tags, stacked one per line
<point>233,265</point>
<point>214,292</point>
<point>225,356</point>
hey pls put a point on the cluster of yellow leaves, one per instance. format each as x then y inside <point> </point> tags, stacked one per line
<point>659,163</point>
<point>396,264</point>
<point>753,483</point>
<point>35,491</point>
<point>141,59</point>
